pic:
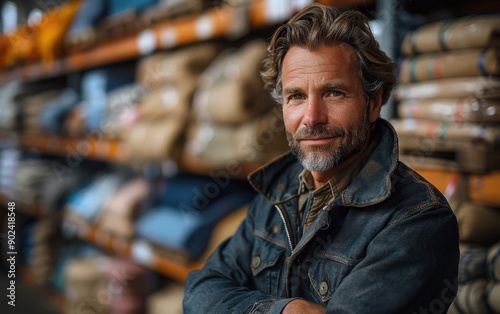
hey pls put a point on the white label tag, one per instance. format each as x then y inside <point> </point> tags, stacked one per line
<point>142,252</point>
<point>277,10</point>
<point>146,42</point>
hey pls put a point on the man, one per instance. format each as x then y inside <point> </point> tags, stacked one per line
<point>340,225</point>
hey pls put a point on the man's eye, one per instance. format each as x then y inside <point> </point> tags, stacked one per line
<point>296,96</point>
<point>335,93</point>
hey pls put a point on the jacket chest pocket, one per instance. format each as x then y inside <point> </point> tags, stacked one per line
<point>266,264</point>
<point>326,273</point>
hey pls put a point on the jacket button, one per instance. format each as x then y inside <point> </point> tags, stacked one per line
<point>323,288</point>
<point>276,229</point>
<point>256,261</point>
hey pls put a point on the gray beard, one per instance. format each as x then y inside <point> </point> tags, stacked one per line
<point>325,158</point>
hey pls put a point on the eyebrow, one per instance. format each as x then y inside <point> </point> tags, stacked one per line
<point>292,90</point>
<point>328,86</point>
<point>337,86</point>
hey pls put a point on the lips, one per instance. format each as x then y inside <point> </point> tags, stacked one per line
<point>316,140</point>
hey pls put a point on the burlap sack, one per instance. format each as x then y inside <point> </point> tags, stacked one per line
<point>253,142</point>
<point>462,33</point>
<point>231,102</point>
<point>461,87</point>
<point>168,100</point>
<point>478,223</point>
<point>451,110</point>
<point>459,63</point>
<point>156,140</point>
<point>440,131</point>
<point>230,90</point>
<point>175,66</point>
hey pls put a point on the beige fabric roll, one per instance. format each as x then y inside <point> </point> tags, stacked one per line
<point>253,142</point>
<point>493,296</point>
<point>175,66</point>
<point>156,140</point>
<point>120,211</point>
<point>166,301</point>
<point>168,100</point>
<point>232,102</point>
<point>85,281</point>
<point>463,132</point>
<point>470,298</point>
<point>462,33</point>
<point>478,223</point>
<point>493,262</point>
<point>32,105</point>
<point>459,63</point>
<point>224,229</point>
<point>451,109</point>
<point>230,89</point>
<point>480,87</point>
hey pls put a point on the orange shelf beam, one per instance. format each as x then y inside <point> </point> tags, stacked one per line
<point>213,23</point>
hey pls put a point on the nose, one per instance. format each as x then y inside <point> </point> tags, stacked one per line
<point>315,112</point>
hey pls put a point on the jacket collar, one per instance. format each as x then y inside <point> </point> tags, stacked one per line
<point>277,181</point>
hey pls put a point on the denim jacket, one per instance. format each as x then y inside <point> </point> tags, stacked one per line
<point>387,244</point>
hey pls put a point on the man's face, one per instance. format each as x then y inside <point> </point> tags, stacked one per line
<point>327,117</point>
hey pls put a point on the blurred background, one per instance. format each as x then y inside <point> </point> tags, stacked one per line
<point>127,130</point>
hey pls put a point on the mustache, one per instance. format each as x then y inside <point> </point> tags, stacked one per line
<point>318,132</point>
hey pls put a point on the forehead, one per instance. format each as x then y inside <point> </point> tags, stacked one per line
<point>337,60</point>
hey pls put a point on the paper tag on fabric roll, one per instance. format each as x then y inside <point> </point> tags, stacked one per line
<point>204,27</point>
<point>142,252</point>
<point>277,10</point>
<point>169,97</point>
<point>146,42</point>
<point>300,4</point>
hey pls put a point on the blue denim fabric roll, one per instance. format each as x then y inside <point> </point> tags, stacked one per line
<point>87,201</point>
<point>54,112</point>
<point>494,262</point>
<point>196,192</point>
<point>95,86</point>
<point>117,6</point>
<point>89,14</point>
<point>472,263</point>
<point>186,230</point>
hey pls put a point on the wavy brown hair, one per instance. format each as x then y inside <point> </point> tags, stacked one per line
<point>319,25</point>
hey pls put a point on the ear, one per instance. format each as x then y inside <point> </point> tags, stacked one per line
<point>375,105</point>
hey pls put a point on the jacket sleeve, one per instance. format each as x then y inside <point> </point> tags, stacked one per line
<point>410,267</point>
<point>224,284</point>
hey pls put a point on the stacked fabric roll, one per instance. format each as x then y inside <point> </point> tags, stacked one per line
<point>449,96</point>
<point>85,285</point>
<point>479,280</point>
<point>233,117</point>
<point>170,79</point>
<point>477,207</point>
